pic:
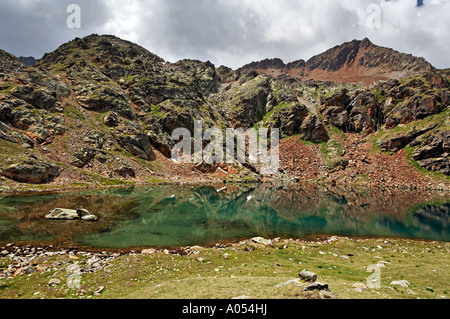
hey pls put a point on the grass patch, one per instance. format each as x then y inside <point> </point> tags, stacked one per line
<point>335,130</point>
<point>332,149</point>
<point>261,273</point>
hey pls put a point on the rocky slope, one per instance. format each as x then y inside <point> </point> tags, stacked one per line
<point>9,63</point>
<point>101,110</point>
<point>355,61</point>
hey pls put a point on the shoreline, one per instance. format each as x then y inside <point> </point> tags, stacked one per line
<point>311,239</point>
<point>8,191</point>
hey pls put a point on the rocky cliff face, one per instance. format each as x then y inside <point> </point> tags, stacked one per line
<point>100,110</point>
<point>355,61</point>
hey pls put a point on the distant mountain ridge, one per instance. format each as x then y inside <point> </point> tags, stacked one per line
<point>28,61</point>
<point>355,61</point>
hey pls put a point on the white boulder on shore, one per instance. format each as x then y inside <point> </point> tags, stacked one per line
<point>70,214</point>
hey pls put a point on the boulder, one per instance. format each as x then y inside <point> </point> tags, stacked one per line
<point>54,282</point>
<point>433,146</point>
<point>261,240</point>
<point>158,137</point>
<point>433,153</point>
<point>364,113</point>
<point>138,145</point>
<point>71,214</point>
<point>396,142</point>
<point>438,164</point>
<point>307,275</point>
<point>313,130</point>
<point>39,98</point>
<point>90,218</point>
<point>337,116</point>
<point>289,119</point>
<point>413,109</point>
<point>83,156</point>
<point>62,214</point>
<point>96,139</point>
<point>31,170</point>
<point>82,212</point>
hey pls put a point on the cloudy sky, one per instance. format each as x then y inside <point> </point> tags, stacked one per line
<point>232,32</point>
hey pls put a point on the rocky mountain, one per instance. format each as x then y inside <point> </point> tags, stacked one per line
<point>355,61</point>
<point>9,63</point>
<point>100,111</point>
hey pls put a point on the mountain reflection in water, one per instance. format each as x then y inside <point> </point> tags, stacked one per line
<point>170,216</point>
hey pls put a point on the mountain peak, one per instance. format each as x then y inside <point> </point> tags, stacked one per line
<point>101,51</point>
<point>365,43</point>
<point>354,61</point>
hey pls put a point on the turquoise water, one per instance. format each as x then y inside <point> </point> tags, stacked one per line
<point>171,216</point>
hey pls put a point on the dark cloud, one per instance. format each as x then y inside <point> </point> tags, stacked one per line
<point>31,28</point>
<point>231,32</point>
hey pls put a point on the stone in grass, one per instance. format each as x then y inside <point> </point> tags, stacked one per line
<point>90,218</point>
<point>99,291</point>
<point>401,283</point>
<point>148,251</point>
<point>260,240</point>
<point>307,276</point>
<point>359,287</point>
<point>54,282</point>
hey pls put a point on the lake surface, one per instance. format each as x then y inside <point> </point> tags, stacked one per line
<point>173,216</point>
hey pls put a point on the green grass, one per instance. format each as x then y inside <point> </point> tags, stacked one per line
<point>332,149</point>
<point>260,274</point>
<point>9,88</point>
<point>309,143</point>
<point>379,96</point>
<point>73,112</point>
<point>276,108</point>
<point>335,130</point>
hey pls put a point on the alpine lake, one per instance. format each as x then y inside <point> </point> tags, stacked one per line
<point>166,216</point>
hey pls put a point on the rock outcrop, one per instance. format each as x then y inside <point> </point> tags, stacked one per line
<point>355,61</point>
<point>30,170</point>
